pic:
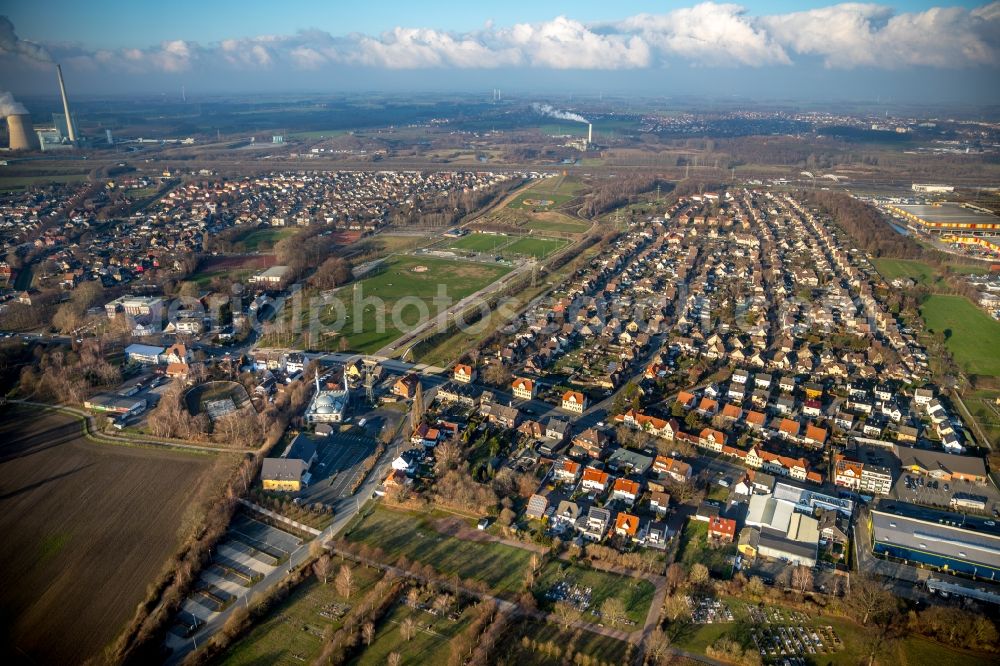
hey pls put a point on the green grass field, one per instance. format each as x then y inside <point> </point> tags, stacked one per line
<point>393,280</point>
<point>634,593</point>
<point>292,633</point>
<point>921,272</point>
<point>398,533</point>
<point>540,201</point>
<point>535,247</point>
<point>892,269</point>
<point>253,239</point>
<point>480,242</point>
<point>604,648</point>
<point>972,337</point>
<point>983,406</point>
<point>560,223</point>
<point>429,645</point>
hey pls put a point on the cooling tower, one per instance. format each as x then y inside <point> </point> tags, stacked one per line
<point>22,134</point>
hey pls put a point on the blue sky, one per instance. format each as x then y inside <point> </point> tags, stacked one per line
<point>921,50</point>
<point>137,23</point>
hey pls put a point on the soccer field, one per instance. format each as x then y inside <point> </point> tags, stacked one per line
<point>534,247</point>
<point>369,306</point>
<point>480,242</point>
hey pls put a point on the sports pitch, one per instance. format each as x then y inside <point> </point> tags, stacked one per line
<point>419,277</point>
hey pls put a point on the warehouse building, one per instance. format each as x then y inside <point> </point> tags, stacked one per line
<point>949,219</point>
<point>951,542</point>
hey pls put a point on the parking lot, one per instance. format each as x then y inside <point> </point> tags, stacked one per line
<point>938,493</point>
<point>249,551</point>
<point>337,467</point>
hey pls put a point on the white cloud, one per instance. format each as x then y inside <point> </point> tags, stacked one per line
<point>567,44</point>
<point>707,34</point>
<point>859,35</point>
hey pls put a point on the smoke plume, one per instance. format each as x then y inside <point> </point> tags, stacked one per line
<point>552,112</point>
<point>12,44</point>
<point>10,106</point>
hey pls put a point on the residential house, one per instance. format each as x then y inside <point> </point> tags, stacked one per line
<point>626,490</point>
<point>627,525</point>
<point>596,524</point>
<point>659,503</point>
<point>630,462</point>
<point>465,374</point>
<point>406,386</point>
<point>566,515</point>
<point>677,470</point>
<point>594,480</point>
<point>566,471</point>
<point>523,388</point>
<point>537,506</point>
<point>721,530</point>
<point>591,443</point>
<point>574,401</point>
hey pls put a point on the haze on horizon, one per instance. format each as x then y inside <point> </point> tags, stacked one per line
<point>909,52</point>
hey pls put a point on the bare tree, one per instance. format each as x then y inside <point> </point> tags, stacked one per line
<point>699,573</point>
<point>676,577</point>
<point>408,628</point>
<point>443,603</point>
<point>345,581</point>
<point>870,599</point>
<point>394,659</point>
<point>676,607</point>
<point>566,612</point>
<point>321,567</point>
<point>613,611</point>
<point>368,632</point>
<point>802,578</point>
<point>658,646</point>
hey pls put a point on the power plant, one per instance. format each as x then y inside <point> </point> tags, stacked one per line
<point>71,131</point>
<point>22,134</point>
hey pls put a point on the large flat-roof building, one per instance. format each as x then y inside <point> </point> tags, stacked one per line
<point>949,219</point>
<point>948,541</point>
<point>941,465</point>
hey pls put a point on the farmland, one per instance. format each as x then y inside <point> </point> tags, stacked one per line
<point>87,527</point>
<point>410,276</point>
<point>970,335</point>
<point>398,533</point>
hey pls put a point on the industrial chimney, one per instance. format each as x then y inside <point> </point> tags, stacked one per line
<point>65,100</point>
<point>590,133</point>
<point>22,134</point>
